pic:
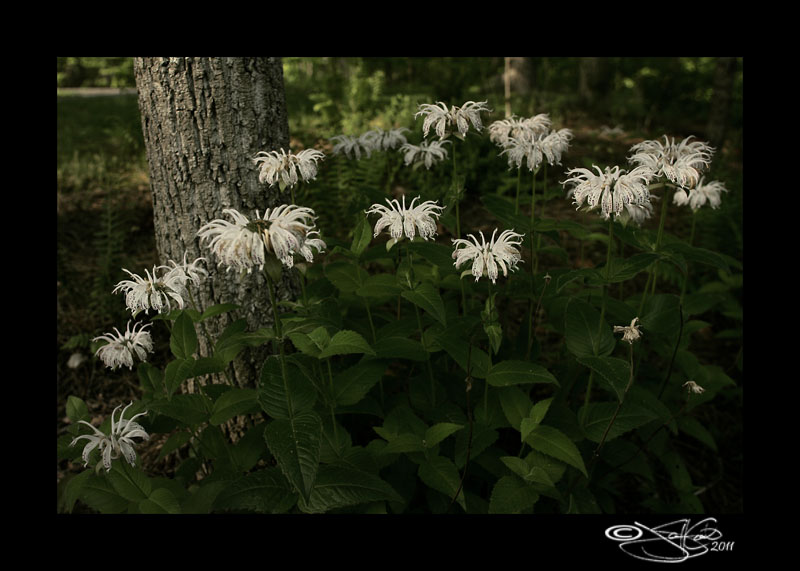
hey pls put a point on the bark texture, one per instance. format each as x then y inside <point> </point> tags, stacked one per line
<point>203,120</point>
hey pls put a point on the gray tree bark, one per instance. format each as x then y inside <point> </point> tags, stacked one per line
<point>203,121</point>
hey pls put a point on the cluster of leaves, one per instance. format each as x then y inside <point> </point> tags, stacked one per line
<point>387,393</point>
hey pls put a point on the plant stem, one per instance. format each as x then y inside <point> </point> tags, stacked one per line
<point>664,205</point>
<point>468,382</point>
<point>691,240</point>
<point>457,193</point>
<point>519,185</point>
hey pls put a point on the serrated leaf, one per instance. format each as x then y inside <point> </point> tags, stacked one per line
<point>555,443</point>
<point>400,348</point>
<point>161,501</point>
<point>76,409</point>
<point>510,372</point>
<point>346,276</point>
<point>517,465</point>
<point>183,340</point>
<point>442,475</point>
<point>218,310</point>
<point>511,495</point>
<point>295,444</point>
<point>473,360</point>
<point>516,405</point>
<point>428,299</point>
<point>189,409</point>
<point>264,491</point>
<point>176,372</point>
<point>380,285</point>
<point>342,486</point>
<point>353,384</point>
<point>99,495</point>
<point>613,373</point>
<point>174,442</point>
<point>232,403</point>
<point>401,443</point>
<point>438,432</point>
<point>599,415</point>
<point>283,398</point>
<point>346,342</point>
<point>73,490</point>
<point>130,483</point>
<point>362,236</point>
<point>583,332</point>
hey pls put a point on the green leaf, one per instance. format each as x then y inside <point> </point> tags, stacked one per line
<point>473,360</point>
<point>304,343</point>
<point>623,270</point>
<point>264,491</point>
<point>342,486</point>
<point>346,276</point>
<point>516,405</point>
<point>174,442</point>
<point>662,315</point>
<point>218,309</point>
<point>442,475</point>
<point>629,417</point>
<point>691,426</point>
<point>511,372</point>
<point>295,444</point>
<point>73,489</point>
<point>555,443</point>
<point>281,398</point>
<point>503,209</point>
<point>380,285</point>
<point>161,501</point>
<point>130,483</point>
<point>150,378</point>
<point>232,403</point>
<point>183,341</point>
<point>511,495</point>
<point>176,372</point>
<point>99,495</point>
<point>346,342</point>
<point>583,332</point>
<point>362,236</point>
<point>76,409</point>
<point>438,432</point>
<point>428,299</point>
<point>400,443</point>
<point>353,384</point>
<point>191,409</point>
<point>613,373</point>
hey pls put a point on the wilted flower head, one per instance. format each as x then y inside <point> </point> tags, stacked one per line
<point>609,190</point>
<point>194,272</point>
<point>119,441</point>
<point>502,129</point>
<point>120,348</point>
<point>426,153</point>
<point>406,221</point>
<point>282,167</point>
<point>637,213</point>
<point>486,257</point>
<point>446,121</point>
<point>349,146</point>
<point>630,333</point>
<point>681,163</point>
<point>694,387</point>
<point>534,146</point>
<point>76,360</point>
<point>154,291</point>
<point>700,194</point>
<point>282,231</point>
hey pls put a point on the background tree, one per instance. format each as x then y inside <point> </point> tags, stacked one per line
<point>203,120</point>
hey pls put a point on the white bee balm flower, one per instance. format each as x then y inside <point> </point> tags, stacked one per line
<point>118,442</point>
<point>500,252</point>
<point>403,221</point>
<point>630,333</point>
<point>121,348</point>
<point>609,190</point>
<point>694,387</point>
<point>681,163</point>
<point>426,153</point>
<point>282,168</point>
<point>445,121</point>
<point>699,195</point>
<point>282,231</point>
<point>154,291</point>
<point>351,147</point>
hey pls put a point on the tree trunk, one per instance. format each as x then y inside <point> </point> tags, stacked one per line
<point>724,79</point>
<point>203,121</point>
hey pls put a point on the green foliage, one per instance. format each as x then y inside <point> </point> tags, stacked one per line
<point>397,385</point>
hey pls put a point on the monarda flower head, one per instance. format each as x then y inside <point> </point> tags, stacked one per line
<point>500,252</point>
<point>159,290</point>
<point>455,119</point>
<point>282,231</point>
<point>350,146</point>
<point>118,442</point>
<point>380,140</point>
<point>700,194</point>
<point>630,333</point>
<point>609,190</point>
<point>426,153</point>
<point>502,129</point>
<point>120,349</point>
<point>403,221</point>
<point>681,163</point>
<point>286,169</point>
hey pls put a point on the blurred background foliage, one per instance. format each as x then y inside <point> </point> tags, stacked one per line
<point>103,196</point>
